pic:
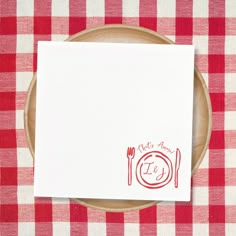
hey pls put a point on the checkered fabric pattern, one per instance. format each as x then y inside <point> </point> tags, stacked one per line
<point>208,24</point>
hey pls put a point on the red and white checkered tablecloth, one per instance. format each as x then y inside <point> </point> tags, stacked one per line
<point>210,25</point>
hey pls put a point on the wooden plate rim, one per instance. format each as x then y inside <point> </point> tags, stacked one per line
<point>141,29</point>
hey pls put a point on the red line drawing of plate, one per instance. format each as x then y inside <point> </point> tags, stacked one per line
<point>150,166</point>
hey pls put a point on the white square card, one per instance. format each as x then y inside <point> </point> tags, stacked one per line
<point>114,121</point>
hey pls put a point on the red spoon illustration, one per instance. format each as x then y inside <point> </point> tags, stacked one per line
<point>177,165</point>
<point>130,156</point>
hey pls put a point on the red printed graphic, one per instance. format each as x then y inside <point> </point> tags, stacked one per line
<point>154,170</point>
<point>177,165</point>
<point>130,156</point>
<point>157,164</point>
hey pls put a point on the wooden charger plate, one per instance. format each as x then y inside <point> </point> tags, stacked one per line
<point>202,107</point>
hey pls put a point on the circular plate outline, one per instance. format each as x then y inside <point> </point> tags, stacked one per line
<point>143,182</point>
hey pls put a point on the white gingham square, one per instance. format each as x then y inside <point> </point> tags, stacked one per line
<point>25,8</point>
<point>25,43</point>
<point>166,10</point>
<point>25,194</point>
<point>131,229</point>
<point>96,229</point>
<point>200,229</point>
<point>61,228</point>
<point>23,80</point>
<point>162,229</point>
<point>19,119</point>
<point>130,8</point>
<point>230,158</point>
<point>200,8</point>
<point>200,43</point>
<point>230,120</point>
<point>24,158</point>
<point>230,195</point>
<point>230,6</point>
<point>95,8</point>
<point>26,229</point>
<point>60,8</point>
<point>200,195</point>
<point>230,82</point>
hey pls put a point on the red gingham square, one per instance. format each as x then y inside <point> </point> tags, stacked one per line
<point>76,24</point>
<point>148,215</point>
<point>8,62</point>
<point>7,101</point>
<point>217,140</point>
<point>8,25</point>
<point>43,212</point>
<point>9,213</point>
<point>7,139</point>
<point>217,26</point>
<point>114,217</point>
<point>184,26</point>
<point>216,63</point>
<point>216,214</point>
<point>183,218</point>
<point>42,25</point>
<point>217,101</point>
<point>9,176</point>
<point>148,22</point>
<point>78,213</point>
<point>216,176</point>
<point>113,20</point>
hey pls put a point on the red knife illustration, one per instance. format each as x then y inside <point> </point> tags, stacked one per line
<point>177,165</point>
<point>130,156</point>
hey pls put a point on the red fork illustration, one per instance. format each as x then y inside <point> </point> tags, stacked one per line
<point>130,156</point>
<point>177,165</point>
